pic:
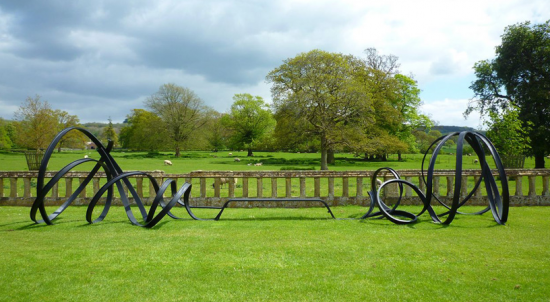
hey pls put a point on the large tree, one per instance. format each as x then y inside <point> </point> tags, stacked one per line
<point>143,131</point>
<point>519,76</point>
<point>73,139</point>
<point>37,123</point>
<point>182,113</point>
<point>248,121</point>
<point>325,90</point>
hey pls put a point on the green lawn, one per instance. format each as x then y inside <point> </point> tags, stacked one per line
<point>200,160</point>
<point>275,255</point>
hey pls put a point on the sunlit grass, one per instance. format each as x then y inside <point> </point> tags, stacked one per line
<point>275,255</point>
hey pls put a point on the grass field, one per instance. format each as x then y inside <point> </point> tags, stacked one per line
<point>275,255</point>
<point>199,160</point>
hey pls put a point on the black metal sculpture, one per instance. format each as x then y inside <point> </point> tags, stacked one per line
<point>115,176</point>
<point>498,202</point>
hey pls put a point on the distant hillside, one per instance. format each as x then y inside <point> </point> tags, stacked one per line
<point>449,129</point>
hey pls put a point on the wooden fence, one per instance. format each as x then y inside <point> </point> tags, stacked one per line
<point>212,188</point>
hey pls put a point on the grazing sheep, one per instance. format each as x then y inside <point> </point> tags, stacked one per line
<point>257,164</point>
<point>237,159</point>
<point>230,154</point>
<point>249,164</point>
<point>476,161</point>
<point>224,180</point>
<point>167,162</point>
<point>469,154</point>
<point>85,156</point>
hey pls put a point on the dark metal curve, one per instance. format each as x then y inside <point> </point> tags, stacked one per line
<point>115,177</point>
<point>499,202</point>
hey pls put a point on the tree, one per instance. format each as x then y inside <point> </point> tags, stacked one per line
<point>508,133</point>
<point>37,123</point>
<point>519,76</point>
<point>5,140</point>
<point>182,113</point>
<point>217,133</point>
<point>248,121</point>
<point>407,103</point>
<point>73,139</point>
<point>108,133</point>
<point>325,90</point>
<point>143,131</point>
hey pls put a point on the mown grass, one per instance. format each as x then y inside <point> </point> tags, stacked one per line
<point>275,255</point>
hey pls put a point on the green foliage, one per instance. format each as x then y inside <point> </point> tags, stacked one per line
<point>143,131</point>
<point>109,134</point>
<point>248,121</point>
<point>326,93</point>
<point>508,133</point>
<point>182,113</point>
<point>73,139</point>
<point>37,124</point>
<point>519,76</point>
<point>5,140</point>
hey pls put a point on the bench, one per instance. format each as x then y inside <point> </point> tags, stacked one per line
<point>288,199</point>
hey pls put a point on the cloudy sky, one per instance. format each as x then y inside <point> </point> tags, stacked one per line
<point>100,59</point>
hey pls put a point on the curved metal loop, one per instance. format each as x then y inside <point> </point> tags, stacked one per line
<point>115,177</point>
<point>498,201</point>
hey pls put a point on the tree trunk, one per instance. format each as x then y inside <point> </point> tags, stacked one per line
<point>324,152</point>
<point>59,148</point>
<point>399,158</point>
<point>250,152</point>
<point>330,157</point>
<point>539,161</point>
<point>178,151</point>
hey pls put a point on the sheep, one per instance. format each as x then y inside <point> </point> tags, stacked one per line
<point>85,156</point>
<point>225,180</point>
<point>257,164</point>
<point>237,159</point>
<point>230,154</point>
<point>476,161</point>
<point>167,162</point>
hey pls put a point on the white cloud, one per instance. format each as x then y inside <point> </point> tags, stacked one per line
<point>88,56</point>
<point>450,112</point>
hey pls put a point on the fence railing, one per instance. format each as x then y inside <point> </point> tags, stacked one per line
<point>212,188</point>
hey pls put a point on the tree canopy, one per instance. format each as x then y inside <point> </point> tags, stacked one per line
<point>37,123</point>
<point>248,120</point>
<point>519,76</point>
<point>182,113</point>
<point>325,90</point>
